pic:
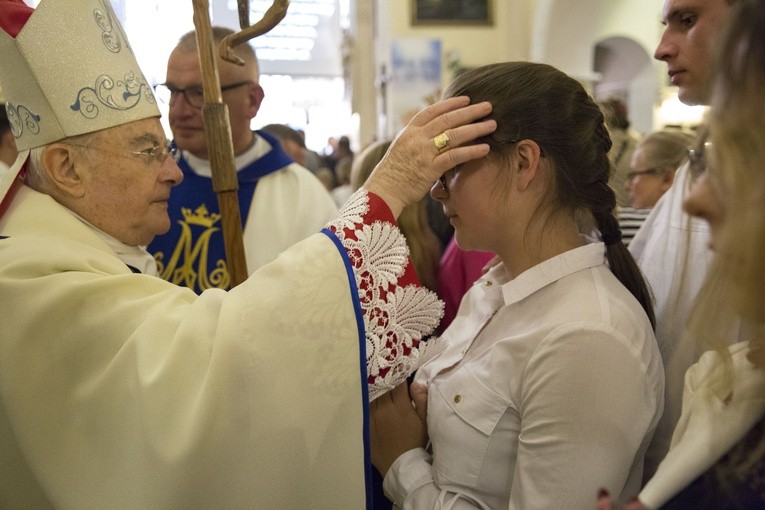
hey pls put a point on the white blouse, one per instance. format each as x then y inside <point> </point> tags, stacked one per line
<point>545,388</point>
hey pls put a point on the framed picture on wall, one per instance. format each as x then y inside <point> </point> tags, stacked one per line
<point>451,12</point>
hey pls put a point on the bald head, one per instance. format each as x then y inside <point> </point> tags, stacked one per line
<point>188,43</point>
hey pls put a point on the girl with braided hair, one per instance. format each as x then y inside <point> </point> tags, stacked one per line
<point>548,383</point>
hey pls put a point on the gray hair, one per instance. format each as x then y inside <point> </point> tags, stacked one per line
<point>36,177</point>
<point>666,148</point>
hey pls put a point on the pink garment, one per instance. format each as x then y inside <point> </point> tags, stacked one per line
<point>457,271</point>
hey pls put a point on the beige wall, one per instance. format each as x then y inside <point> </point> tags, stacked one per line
<point>638,20</point>
<point>507,39</point>
<point>559,32</point>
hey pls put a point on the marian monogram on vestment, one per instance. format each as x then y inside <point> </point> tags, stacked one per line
<point>188,263</point>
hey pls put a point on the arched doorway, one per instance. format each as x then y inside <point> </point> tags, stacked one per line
<point>607,45</point>
<point>626,72</point>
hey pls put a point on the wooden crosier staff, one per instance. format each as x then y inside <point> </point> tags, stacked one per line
<point>216,121</point>
<point>270,19</point>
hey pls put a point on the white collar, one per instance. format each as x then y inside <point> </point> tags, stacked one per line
<point>133,256</point>
<point>202,167</point>
<point>547,272</point>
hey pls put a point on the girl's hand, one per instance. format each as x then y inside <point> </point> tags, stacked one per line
<point>394,428</point>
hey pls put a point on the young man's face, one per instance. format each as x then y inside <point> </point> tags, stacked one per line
<point>687,44</point>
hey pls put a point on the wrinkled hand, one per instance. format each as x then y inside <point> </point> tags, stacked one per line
<point>413,163</point>
<point>394,428</point>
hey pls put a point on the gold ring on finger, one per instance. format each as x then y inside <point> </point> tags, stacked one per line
<point>441,142</point>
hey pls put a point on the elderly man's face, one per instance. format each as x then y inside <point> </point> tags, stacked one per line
<point>126,194</point>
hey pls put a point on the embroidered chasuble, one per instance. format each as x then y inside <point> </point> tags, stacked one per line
<point>122,390</point>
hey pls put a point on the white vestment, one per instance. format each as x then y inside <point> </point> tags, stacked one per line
<point>122,390</point>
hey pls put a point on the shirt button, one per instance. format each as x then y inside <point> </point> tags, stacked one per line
<point>457,399</point>
<point>488,283</point>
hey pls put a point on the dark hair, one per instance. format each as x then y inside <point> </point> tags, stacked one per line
<point>539,102</point>
<point>615,113</point>
<point>344,143</point>
<point>284,132</point>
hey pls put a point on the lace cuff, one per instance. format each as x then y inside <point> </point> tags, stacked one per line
<point>398,311</point>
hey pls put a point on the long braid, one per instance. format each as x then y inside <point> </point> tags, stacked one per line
<point>600,199</point>
<point>594,193</point>
<point>619,258</point>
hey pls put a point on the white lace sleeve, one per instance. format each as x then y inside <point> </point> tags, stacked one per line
<point>397,313</point>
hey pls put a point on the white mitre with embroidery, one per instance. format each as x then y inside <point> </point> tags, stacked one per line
<point>65,74</point>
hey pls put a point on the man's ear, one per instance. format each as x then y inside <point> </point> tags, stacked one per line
<point>256,94</point>
<point>59,163</point>
<point>527,159</point>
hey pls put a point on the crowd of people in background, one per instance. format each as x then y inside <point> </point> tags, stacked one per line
<point>331,166</point>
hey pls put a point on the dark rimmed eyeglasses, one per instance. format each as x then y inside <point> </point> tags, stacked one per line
<point>168,93</point>
<point>648,171</point>
<point>156,153</point>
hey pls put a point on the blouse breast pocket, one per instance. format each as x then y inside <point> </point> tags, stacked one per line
<point>462,414</point>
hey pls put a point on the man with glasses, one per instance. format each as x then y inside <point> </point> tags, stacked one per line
<point>280,202</point>
<point>120,390</point>
<point>672,248</point>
